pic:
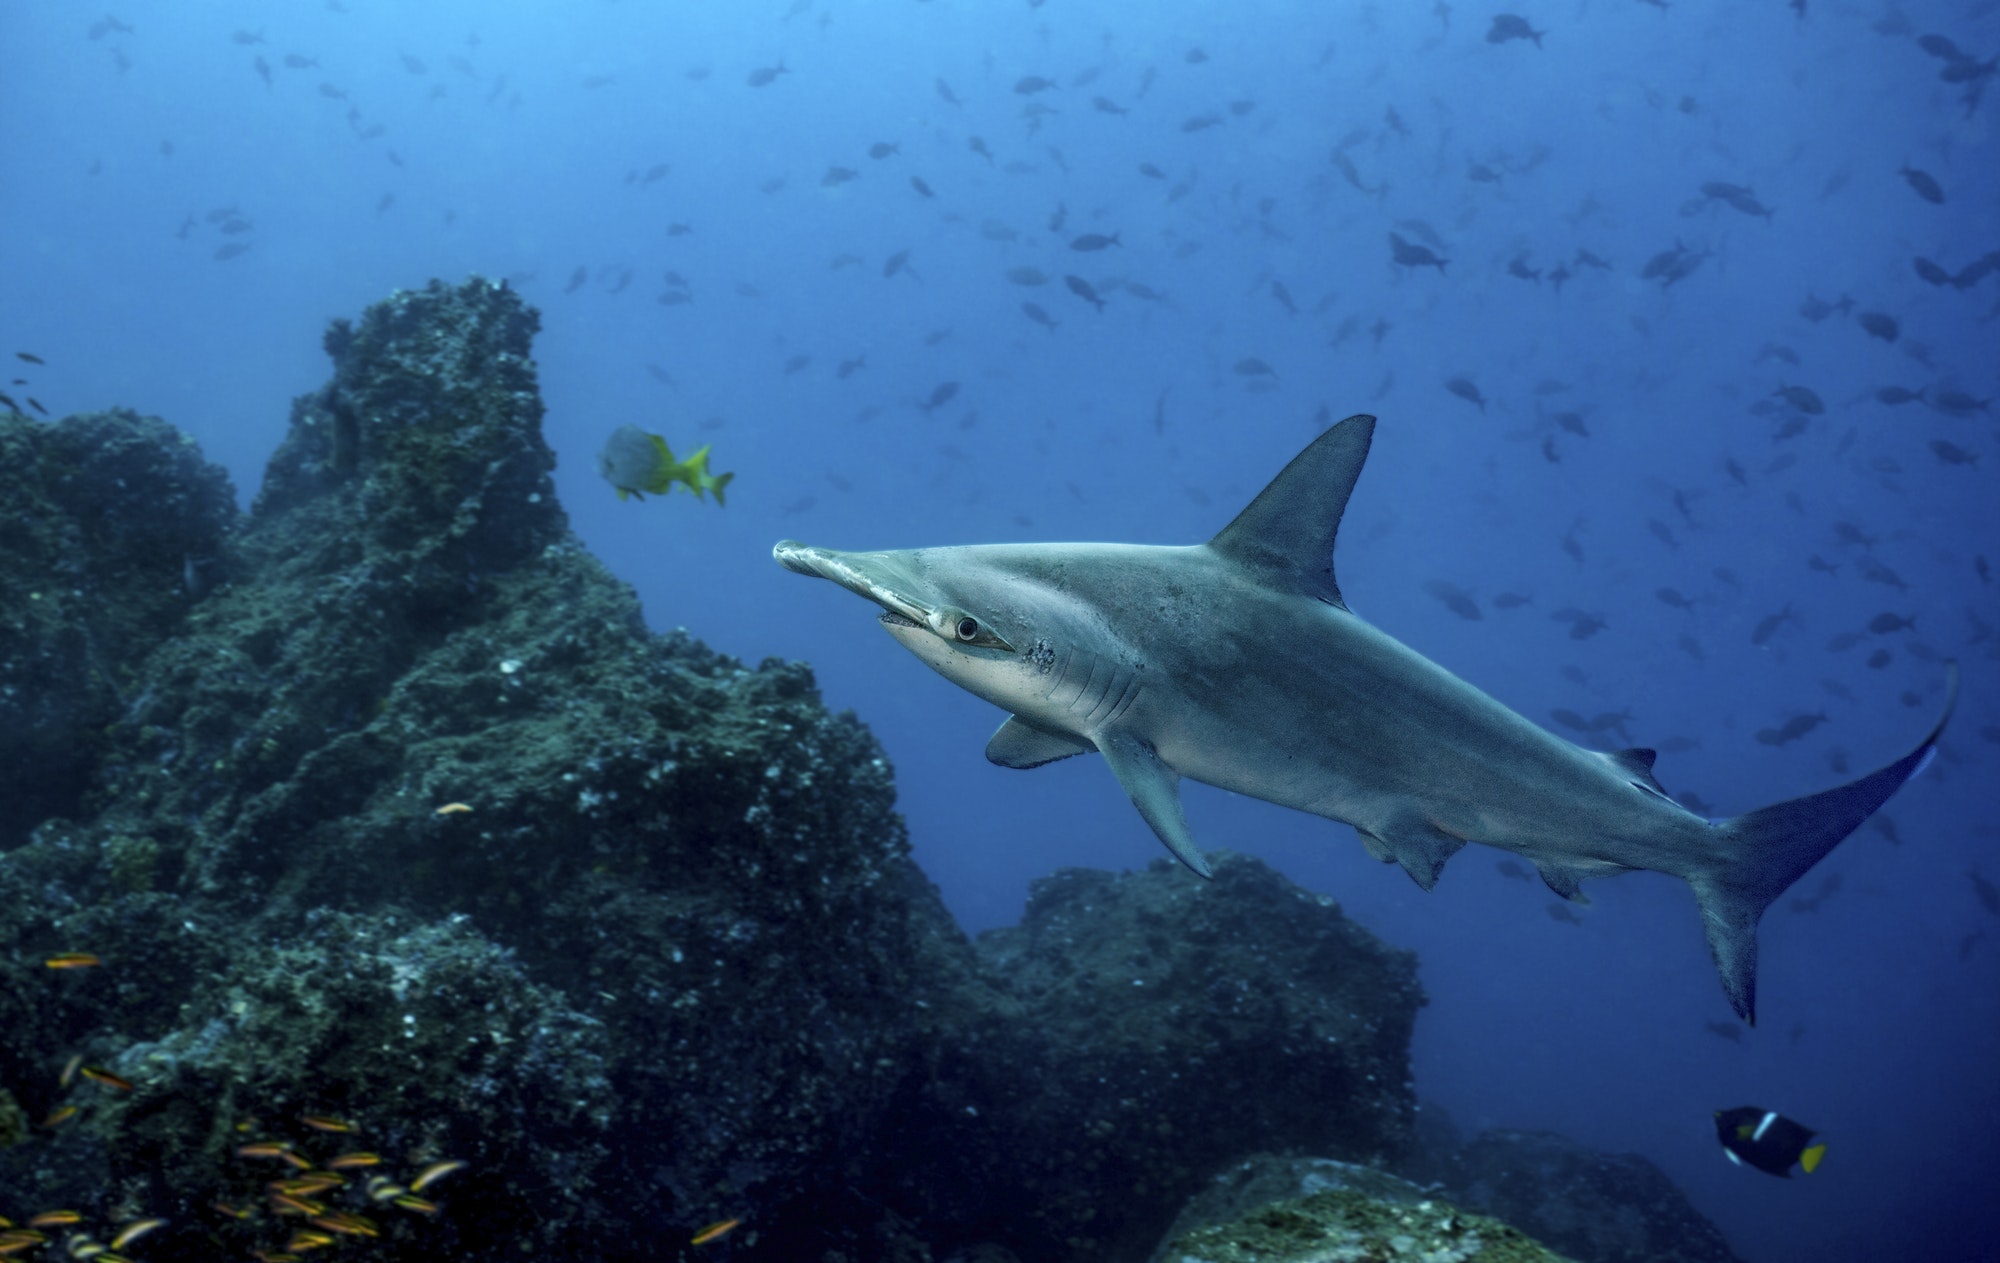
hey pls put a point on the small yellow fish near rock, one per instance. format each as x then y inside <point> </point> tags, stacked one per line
<point>636,462</point>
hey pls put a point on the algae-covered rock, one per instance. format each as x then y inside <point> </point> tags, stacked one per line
<point>1143,1029</point>
<point>358,1035</point>
<point>1593,1207</point>
<point>1597,1207</point>
<point>1350,1215</point>
<point>649,913</point>
<point>111,525</point>
<point>1261,1179</point>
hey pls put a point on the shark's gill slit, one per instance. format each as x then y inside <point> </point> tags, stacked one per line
<point>1126,696</point>
<point>1086,697</point>
<point>1107,701</point>
<point>1069,656</point>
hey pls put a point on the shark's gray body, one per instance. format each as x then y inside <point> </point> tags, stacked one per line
<point>1237,664</point>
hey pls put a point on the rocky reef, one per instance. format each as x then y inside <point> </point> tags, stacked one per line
<point>111,524</point>
<point>1506,1195</point>
<point>1273,1209</point>
<point>1135,1032</point>
<point>371,832</point>
<point>1604,1208</point>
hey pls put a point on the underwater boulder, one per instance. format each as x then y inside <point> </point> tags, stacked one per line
<point>1274,1209</point>
<point>113,526</point>
<point>1135,1032</point>
<point>1595,1207</point>
<point>649,912</point>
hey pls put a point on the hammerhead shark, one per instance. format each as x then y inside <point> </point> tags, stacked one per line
<point>1236,663</point>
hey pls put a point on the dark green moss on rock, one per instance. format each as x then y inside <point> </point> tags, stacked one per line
<point>111,526</point>
<point>1137,1031</point>
<point>664,971</point>
<point>1338,1225</point>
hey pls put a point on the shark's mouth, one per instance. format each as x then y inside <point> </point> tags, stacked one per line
<point>892,619</point>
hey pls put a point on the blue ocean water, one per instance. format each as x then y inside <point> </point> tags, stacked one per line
<point>194,191</point>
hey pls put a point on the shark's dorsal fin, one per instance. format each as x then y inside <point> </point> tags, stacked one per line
<point>1637,763</point>
<point>1019,744</point>
<point>1286,535</point>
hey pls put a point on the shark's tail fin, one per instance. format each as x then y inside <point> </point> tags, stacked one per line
<point>1773,847</point>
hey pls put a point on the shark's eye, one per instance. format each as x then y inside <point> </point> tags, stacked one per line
<point>952,623</point>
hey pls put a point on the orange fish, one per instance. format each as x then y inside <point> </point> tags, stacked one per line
<point>382,1189</point>
<point>286,1204</point>
<point>59,1115</point>
<point>349,1223</point>
<point>433,1173</point>
<point>715,1231</point>
<point>72,960</point>
<point>133,1231</point>
<point>348,1161</point>
<point>98,1075</point>
<point>323,1122</point>
<point>69,1070</point>
<point>418,1204</point>
<point>55,1219</point>
<point>264,1149</point>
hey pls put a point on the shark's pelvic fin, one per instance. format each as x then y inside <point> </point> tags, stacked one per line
<point>1775,846</point>
<point>1420,847</point>
<point>1286,535</point>
<point>1019,744</point>
<point>1563,880</point>
<point>1155,789</point>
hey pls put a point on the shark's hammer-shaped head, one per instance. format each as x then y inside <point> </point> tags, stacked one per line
<point>954,615</point>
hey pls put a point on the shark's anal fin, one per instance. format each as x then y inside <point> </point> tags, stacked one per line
<point>1286,534</point>
<point>1419,846</point>
<point>1020,744</point>
<point>1155,789</point>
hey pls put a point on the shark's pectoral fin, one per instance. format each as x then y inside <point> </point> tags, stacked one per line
<point>1155,789</point>
<point>1418,845</point>
<point>1020,744</point>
